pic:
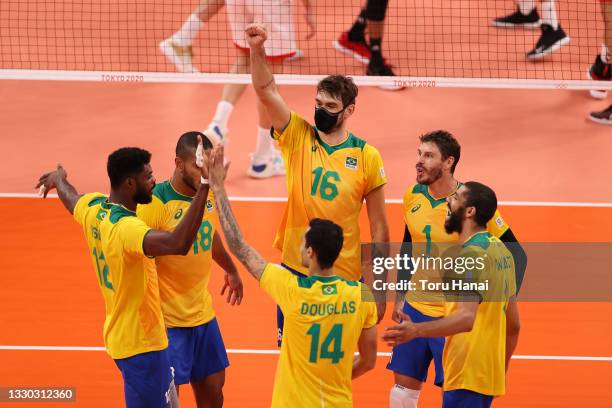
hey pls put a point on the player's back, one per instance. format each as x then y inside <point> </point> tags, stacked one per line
<point>324,318</point>
<point>89,211</point>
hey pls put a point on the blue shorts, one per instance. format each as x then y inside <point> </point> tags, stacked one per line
<point>465,399</point>
<point>146,379</point>
<point>413,358</point>
<point>280,318</point>
<point>196,352</point>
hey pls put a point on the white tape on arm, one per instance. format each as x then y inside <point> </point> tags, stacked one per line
<point>200,155</point>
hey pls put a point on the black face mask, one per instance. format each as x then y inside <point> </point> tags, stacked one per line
<point>325,120</point>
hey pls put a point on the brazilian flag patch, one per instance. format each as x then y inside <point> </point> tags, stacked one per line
<point>330,289</point>
<point>101,214</point>
<point>351,162</point>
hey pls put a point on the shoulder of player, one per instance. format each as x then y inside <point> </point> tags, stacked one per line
<point>165,193</point>
<point>92,199</point>
<point>478,242</point>
<point>119,214</point>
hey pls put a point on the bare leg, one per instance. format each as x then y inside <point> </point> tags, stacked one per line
<point>207,9</point>
<point>208,392</point>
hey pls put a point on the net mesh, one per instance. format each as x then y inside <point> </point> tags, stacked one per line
<point>451,41</point>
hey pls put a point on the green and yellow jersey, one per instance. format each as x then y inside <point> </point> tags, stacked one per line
<point>89,211</point>
<point>424,217</point>
<point>324,318</point>
<point>476,360</point>
<point>328,182</point>
<point>183,280</point>
<point>134,323</point>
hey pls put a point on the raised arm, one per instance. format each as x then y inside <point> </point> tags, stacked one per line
<point>263,79</point>
<point>58,180</point>
<point>179,241</point>
<point>246,254</point>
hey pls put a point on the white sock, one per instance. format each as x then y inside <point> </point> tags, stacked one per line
<point>526,6</point>
<point>402,397</point>
<point>188,31</point>
<point>222,114</point>
<point>549,13</point>
<point>264,145</point>
<point>605,54</point>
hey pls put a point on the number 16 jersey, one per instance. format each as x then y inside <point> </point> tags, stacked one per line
<point>328,182</point>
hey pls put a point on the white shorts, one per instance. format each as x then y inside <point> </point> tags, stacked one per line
<point>276,15</point>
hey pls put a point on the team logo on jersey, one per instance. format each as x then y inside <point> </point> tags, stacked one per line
<point>101,214</point>
<point>178,214</point>
<point>330,289</point>
<point>209,206</point>
<point>415,208</point>
<point>351,162</point>
<point>499,221</point>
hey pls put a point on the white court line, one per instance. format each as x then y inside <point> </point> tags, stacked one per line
<point>388,201</point>
<point>275,352</point>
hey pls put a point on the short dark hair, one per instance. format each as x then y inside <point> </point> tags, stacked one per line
<point>339,86</point>
<point>126,162</point>
<point>446,142</point>
<point>189,141</point>
<point>326,239</point>
<point>483,199</point>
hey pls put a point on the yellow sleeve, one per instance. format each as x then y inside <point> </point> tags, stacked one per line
<point>154,214</point>
<point>82,207</point>
<point>407,198</point>
<point>131,233</point>
<point>496,225</point>
<point>375,172</point>
<point>369,310</point>
<point>296,130</point>
<point>279,283</point>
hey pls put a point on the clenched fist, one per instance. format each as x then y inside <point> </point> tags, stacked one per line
<point>256,35</point>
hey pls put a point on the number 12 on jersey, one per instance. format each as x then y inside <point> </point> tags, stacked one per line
<point>334,336</point>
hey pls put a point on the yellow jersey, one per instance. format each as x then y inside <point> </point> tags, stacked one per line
<point>476,360</point>
<point>328,182</point>
<point>424,217</point>
<point>135,323</point>
<point>183,280</point>
<point>89,211</point>
<point>324,317</point>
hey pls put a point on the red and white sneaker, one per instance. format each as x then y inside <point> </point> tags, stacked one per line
<point>357,49</point>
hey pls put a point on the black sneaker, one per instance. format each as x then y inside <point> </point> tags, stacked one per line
<point>600,71</point>
<point>603,117</point>
<point>518,19</point>
<point>550,41</point>
<point>382,69</point>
